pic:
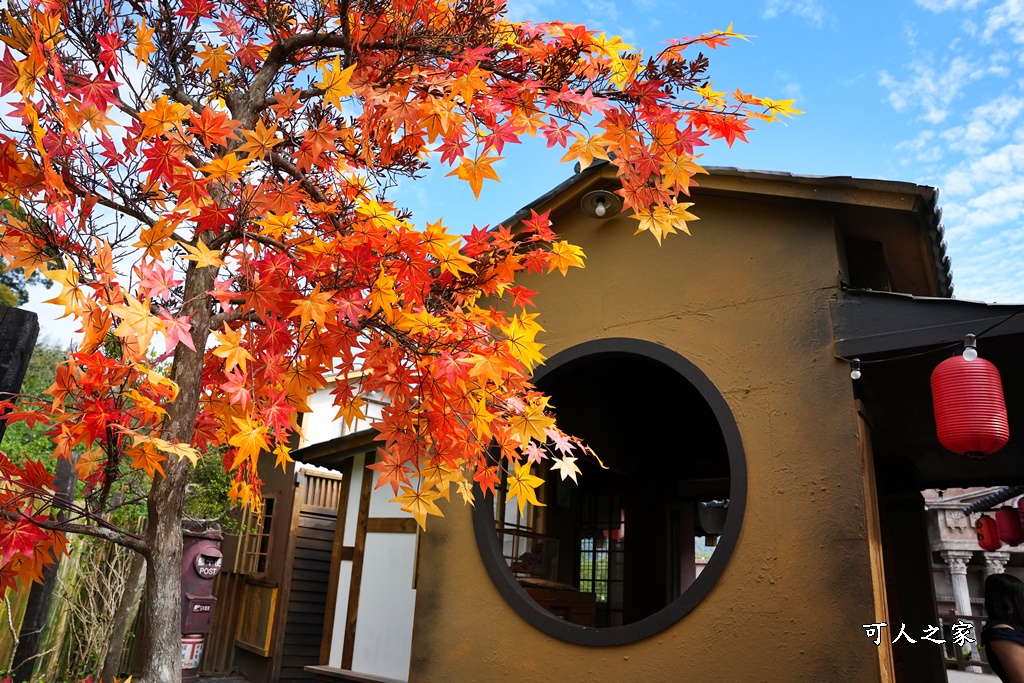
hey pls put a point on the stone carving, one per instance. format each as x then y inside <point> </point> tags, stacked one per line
<point>957,521</point>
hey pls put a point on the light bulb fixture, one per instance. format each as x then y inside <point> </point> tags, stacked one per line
<point>855,368</point>
<point>970,347</point>
<point>600,204</point>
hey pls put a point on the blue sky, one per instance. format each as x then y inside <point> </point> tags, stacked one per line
<point>925,91</point>
<point>928,92</point>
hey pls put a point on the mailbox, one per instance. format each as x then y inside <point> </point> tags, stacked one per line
<point>201,561</point>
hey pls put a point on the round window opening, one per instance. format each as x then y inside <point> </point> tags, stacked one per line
<point>635,545</point>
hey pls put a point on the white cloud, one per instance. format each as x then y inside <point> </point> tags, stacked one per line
<point>990,269</point>
<point>922,148</point>
<point>808,9</point>
<point>986,123</point>
<point>910,35</point>
<point>932,89</point>
<point>987,171</point>
<point>969,97</point>
<point>1007,16</point>
<point>945,5</point>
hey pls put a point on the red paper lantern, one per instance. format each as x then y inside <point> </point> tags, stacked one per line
<point>970,413</point>
<point>1008,524</point>
<point>988,533</point>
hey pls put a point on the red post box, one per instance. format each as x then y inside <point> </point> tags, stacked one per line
<point>200,563</point>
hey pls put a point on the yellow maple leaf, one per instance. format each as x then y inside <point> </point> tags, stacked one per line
<point>89,462</point>
<point>202,255</point>
<point>452,260</point>
<point>585,149</point>
<point>383,296</point>
<point>563,256</point>
<point>466,491</point>
<point>422,322</point>
<point>419,504</point>
<point>712,97</point>
<point>335,82</point>
<point>531,423</point>
<point>71,296</point>
<point>282,456</point>
<point>21,38</point>
<point>664,220</point>
<point>136,321</point>
<point>520,335</point>
<point>250,438</point>
<point>522,486</point>
<point>277,226</point>
<point>678,169</point>
<point>179,449</point>
<point>475,171</point>
<point>480,417</point>
<point>231,349</point>
<point>778,108</point>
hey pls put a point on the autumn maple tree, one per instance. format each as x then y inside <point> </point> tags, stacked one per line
<point>207,184</point>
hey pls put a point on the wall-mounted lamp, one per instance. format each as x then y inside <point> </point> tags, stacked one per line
<point>600,204</point>
<point>970,347</point>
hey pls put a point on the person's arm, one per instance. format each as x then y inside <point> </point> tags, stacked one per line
<point>1011,656</point>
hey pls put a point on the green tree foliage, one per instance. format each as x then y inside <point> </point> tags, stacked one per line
<point>14,288</point>
<point>20,440</point>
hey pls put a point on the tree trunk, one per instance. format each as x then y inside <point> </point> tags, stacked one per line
<point>161,662</point>
<point>126,610</point>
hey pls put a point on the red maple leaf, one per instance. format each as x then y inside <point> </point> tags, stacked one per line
<point>487,477</point>
<point>9,73</point>
<point>99,92</point>
<point>194,10</point>
<point>33,474</point>
<point>392,471</point>
<point>20,537</point>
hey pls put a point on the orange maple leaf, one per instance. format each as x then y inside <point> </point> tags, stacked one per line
<point>259,142</point>
<point>227,169</point>
<point>215,60</point>
<point>476,171</point>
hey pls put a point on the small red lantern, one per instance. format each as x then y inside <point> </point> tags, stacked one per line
<point>970,413</point>
<point>988,533</point>
<point>1008,524</point>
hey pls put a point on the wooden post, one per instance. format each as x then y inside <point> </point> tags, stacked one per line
<point>18,332</point>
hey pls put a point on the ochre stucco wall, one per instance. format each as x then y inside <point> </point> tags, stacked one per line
<point>746,300</point>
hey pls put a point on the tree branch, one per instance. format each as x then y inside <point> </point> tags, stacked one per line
<point>108,532</point>
<point>311,189</point>
<point>279,56</point>
<point>231,316</point>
